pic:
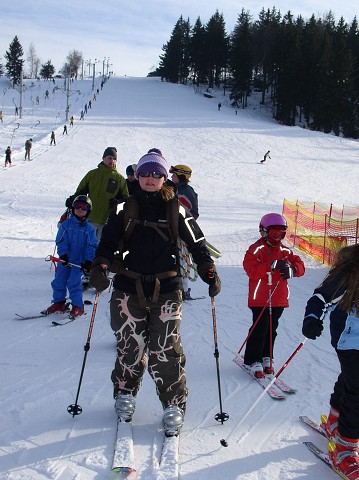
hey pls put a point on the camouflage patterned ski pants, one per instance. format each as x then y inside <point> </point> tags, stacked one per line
<point>152,334</point>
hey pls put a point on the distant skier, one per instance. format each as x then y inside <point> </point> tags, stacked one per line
<point>65,130</point>
<point>72,121</point>
<point>8,156</point>
<point>28,146</point>
<point>219,106</point>
<point>53,139</point>
<point>266,155</point>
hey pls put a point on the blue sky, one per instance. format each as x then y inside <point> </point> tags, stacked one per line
<point>130,33</point>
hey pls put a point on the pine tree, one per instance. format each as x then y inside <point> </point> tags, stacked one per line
<point>14,62</point>
<point>241,59</point>
<point>47,70</point>
<point>175,62</point>
<point>197,49</point>
<point>217,47</point>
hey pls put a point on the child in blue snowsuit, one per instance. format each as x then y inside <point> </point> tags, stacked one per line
<point>76,244</point>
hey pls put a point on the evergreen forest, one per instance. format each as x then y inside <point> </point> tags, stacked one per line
<point>307,70</point>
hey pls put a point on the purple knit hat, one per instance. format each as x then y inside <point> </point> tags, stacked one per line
<point>152,162</point>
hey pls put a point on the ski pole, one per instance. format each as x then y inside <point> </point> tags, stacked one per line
<point>224,442</point>
<point>270,283</point>
<point>51,258</point>
<point>75,408</point>
<point>259,317</point>
<point>220,416</point>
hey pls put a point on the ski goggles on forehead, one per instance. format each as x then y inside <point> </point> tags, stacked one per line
<point>151,174</point>
<point>179,170</point>
<point>81,206</point>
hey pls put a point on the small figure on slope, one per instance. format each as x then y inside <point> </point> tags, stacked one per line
<point>76,243</point>
<point>268,264</point>
<point>8,156</point>
<point>266,155</point>
<point>339,295</point>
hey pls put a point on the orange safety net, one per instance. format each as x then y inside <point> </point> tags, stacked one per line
<point>321,231</point>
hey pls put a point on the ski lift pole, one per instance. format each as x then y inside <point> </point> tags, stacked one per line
<point>224,442</point>
<point>13,133</point>
<point>75,409</point>
<point>220,416</point>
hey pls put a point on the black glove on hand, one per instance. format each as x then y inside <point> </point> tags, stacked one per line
<point>99,274</point>
<point>65,260</point>
<point>69,201</point>
<point>279,264</point>
<point>312,327</point>
<point>86,267</point>
<point>208,274</point>
<point>287,272</point>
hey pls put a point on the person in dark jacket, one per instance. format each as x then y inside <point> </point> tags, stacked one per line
<point>268,264</point>
<point>146,304</point>
<point>186,194</point>
<point>189,199</point>
<point>8,156</point>
<point>28,146</point>
<point>338,295</point>
<point>131,180</point>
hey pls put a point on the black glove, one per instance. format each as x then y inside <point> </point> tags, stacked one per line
<point>99,274</point>
<point>65,260</point>
<point>285,268</point>
<point>208,274</point>
<point>279,264</point>
<point>287,272</point>
<point>69,201</point>
<point>113,203</point>
<point>86,267</point>
<point>312,327</point>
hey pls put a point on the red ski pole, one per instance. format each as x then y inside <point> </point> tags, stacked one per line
<point>51,258</point>
<point>259,317</point>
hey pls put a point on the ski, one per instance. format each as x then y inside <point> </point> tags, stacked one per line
<point>193,298</point>
<point>324,458</point>
<point>284,387</point>
<point>65,322</point>
<point>274,392</point>
<point>42,314</point>
<point>169,460</point>
<point>315,426</point>
<point>278,381</point>
<point>123,463</point>
<point>30,317</point>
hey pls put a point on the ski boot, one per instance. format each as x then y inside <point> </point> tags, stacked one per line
<point>172,420</point>
<point>125,406</point>
<point>76,312</point>
<point>256,369</point>
<point>58,307</point>
<point>344,455</point>
<point>329,424</point>
<point>267,367</point>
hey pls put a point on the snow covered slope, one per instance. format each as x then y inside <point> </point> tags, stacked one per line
<point>41,364</point>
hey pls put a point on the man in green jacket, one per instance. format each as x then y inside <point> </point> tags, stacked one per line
<point>105,186</point>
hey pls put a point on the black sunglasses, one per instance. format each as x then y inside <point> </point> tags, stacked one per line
<point>150,174</point>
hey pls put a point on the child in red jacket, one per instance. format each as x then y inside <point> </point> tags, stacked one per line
<point>268,264</point>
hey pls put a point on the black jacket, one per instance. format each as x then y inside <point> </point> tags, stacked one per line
<point>148,253</point>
